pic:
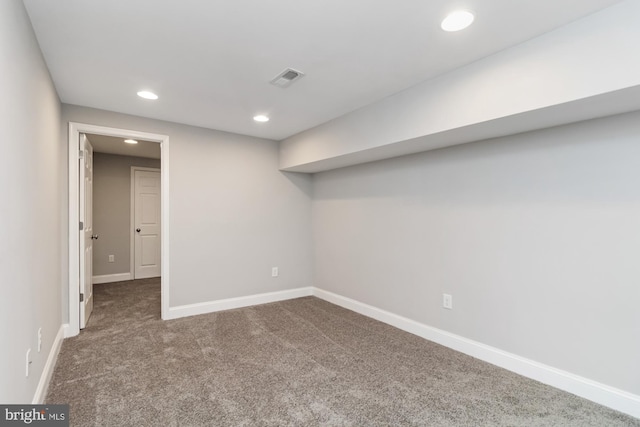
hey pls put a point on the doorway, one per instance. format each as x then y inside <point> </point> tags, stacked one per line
<point>76,256</point>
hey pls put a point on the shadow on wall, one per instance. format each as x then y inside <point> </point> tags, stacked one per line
<point>302,181</point>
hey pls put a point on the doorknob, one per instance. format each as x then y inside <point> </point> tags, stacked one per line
<point>94,237</point>
<point>138,230</point>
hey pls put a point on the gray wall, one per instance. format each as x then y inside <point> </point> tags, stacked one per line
<point>112,210</point>
<point>233,215</point>
<point>31,177</point>
<point>536,236</point>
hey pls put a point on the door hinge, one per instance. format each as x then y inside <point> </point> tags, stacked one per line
<point>81,154</point>
<point>81,297</point>
<point>81,225</point>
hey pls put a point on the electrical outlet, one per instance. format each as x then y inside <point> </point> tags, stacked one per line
<point>112,258</point>
<point>447,301</point>
<point>39,339</point>
<point>28,361</point>
<point>274,272</point>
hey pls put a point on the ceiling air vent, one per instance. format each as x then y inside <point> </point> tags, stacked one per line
<point>286,78</point>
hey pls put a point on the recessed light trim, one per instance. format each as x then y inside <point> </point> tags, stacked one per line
<point>147,95</point>
<point>457,20</point>
<point>130,141</point>
<point>261,118</point>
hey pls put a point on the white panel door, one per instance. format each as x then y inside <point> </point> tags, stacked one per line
<point>86,234</point>
<point>146,224</point>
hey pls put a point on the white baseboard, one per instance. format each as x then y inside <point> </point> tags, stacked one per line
<point>597,392</point>
<point>47,372</point>
<point>108,278</point>
<point>230,303</point>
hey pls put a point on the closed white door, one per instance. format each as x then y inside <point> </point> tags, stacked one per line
<point>86,234</point>
<point>146,223</point>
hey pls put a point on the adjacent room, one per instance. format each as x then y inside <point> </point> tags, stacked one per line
<point>288,213</point>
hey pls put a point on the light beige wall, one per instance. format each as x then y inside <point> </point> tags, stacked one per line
<point>536,236</point>
<point>31,169</point>
<point>233,215</point>
<point>112,210</point>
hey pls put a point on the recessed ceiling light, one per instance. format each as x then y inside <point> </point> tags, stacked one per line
<point>147,95</point>
<point>130,141</point>
<point>261,118</point>
<point>458,20</point>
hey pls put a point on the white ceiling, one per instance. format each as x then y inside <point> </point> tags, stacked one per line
<point>113,145</point>
<point>210,61</point>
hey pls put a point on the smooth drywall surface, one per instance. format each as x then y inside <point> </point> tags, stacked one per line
<point>112,211</point>
<point>536,237</point>
<point>30,170</point>
<point>582,60</point>
<point>233,215</point>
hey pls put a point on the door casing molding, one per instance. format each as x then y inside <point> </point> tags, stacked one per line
<point>75,129</point>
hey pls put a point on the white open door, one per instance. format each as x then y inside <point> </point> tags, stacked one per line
<point>146,205</point>
<point>86,232</point>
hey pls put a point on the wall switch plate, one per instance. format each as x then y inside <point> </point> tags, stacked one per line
<point>112,258</point>
<point>447,301</point>
<point>39,339</point>
<point>274,272</point>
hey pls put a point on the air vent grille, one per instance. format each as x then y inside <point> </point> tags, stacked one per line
<point>286,78</point>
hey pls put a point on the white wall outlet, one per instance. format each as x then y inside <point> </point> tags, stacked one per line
<point>274,272</point>
<point>112,258</point>
<point>39,339</point>
<point>28,361</point>
<point>447,301</point>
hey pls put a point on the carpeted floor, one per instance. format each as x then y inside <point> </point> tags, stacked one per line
<point>302,362</point>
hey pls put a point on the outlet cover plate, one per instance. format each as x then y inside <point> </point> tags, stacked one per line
<point>28,362</point>
<point>447,301</point>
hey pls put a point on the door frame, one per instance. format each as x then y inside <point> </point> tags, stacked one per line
<point>72,328</point>
<point>132,234</point>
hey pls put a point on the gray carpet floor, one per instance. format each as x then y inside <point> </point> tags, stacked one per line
<point>303,362</point>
